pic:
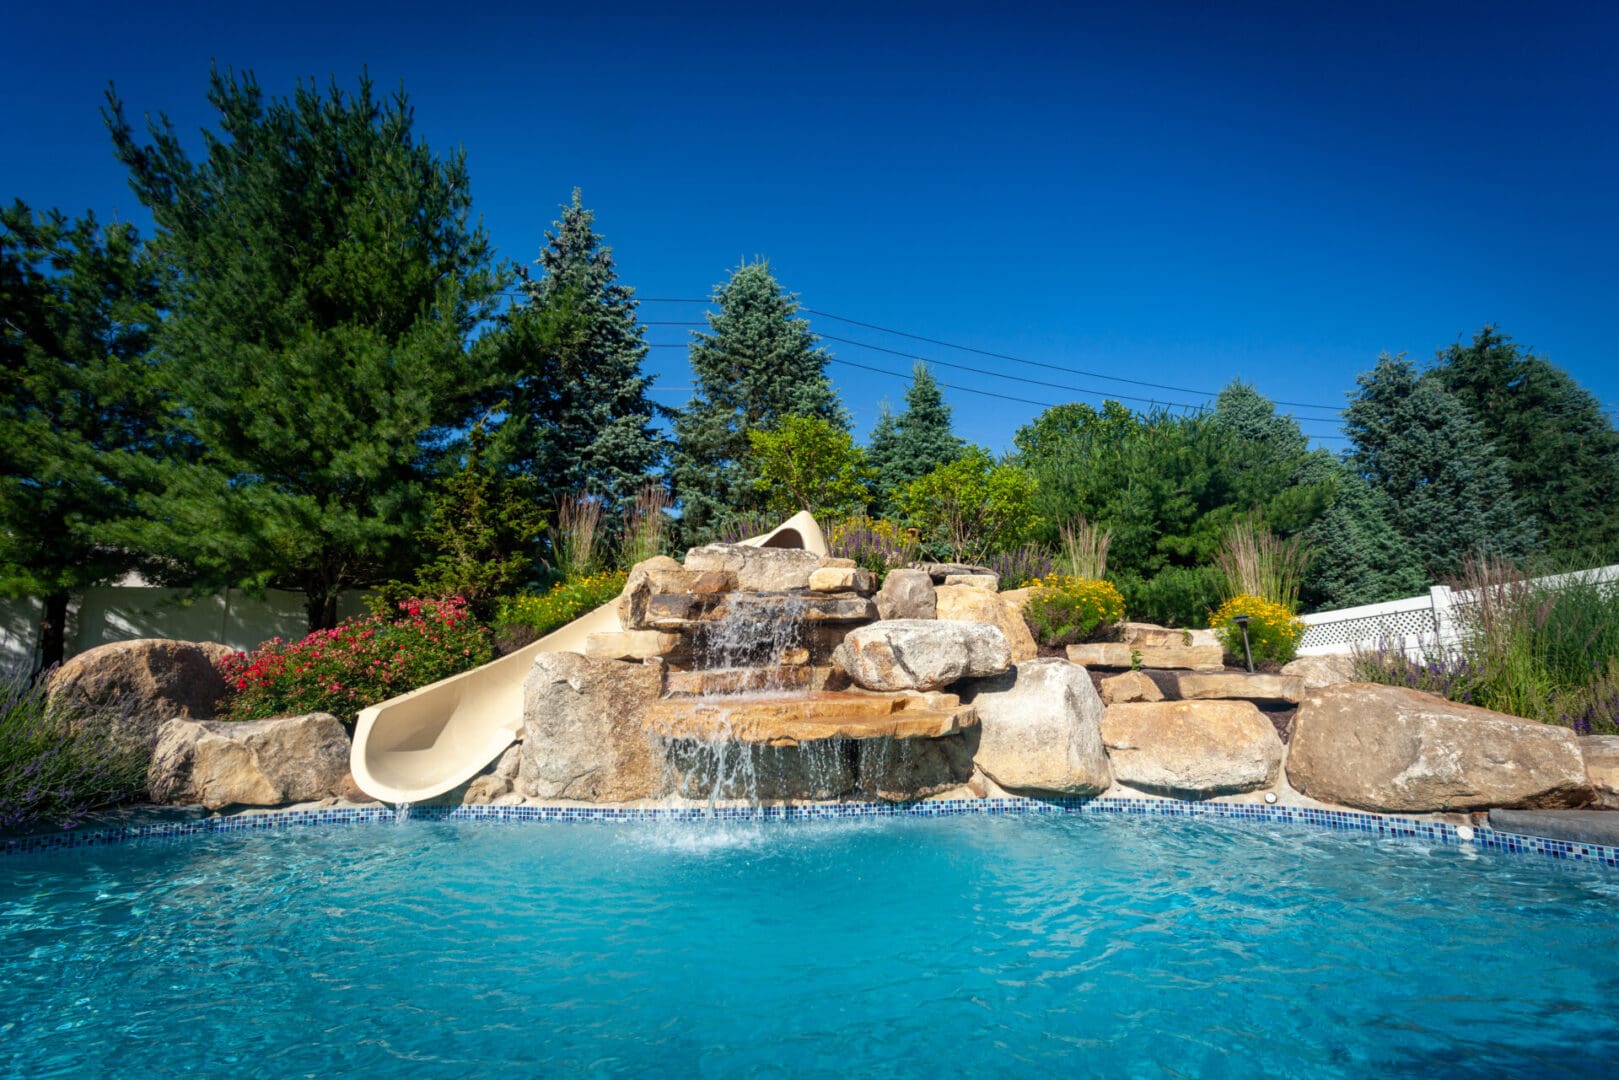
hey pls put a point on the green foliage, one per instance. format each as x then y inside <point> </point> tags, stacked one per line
<point>1449,492</point>
<point>530,616</point>
<point>1274,632</point>
<point>908,447</point>
<point>359,662</point>
<point>757,364</point>
<point>806,463</point>
<point>1560,448</point>
<point>1063,610</point>
<point>321,276</point>
<point>974,505</point>
<point>484,533</point>
<point>1359,558</point>
<point>58,767</point>
<point>78,407</point>
<point>1175,596</point>
<point>1257,562</point>
<point>569,363</point>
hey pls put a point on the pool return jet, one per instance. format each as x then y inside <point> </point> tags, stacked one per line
<point>434,739</point>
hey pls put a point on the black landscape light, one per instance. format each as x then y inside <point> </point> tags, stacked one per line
<point>1242,621</point>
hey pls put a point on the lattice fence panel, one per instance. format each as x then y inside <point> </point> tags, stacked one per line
<point>1370,629</point>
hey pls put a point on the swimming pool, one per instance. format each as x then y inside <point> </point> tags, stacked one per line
<point>1091,944</point>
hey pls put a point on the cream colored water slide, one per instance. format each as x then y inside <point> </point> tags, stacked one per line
<point>438,737</point>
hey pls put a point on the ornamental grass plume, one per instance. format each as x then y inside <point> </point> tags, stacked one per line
<point>1257,562</point>
<point>577,537</point>
<point>645,522</point>
<point>1084,548</point>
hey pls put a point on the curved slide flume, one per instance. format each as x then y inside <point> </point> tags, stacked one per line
<point>436,738</point>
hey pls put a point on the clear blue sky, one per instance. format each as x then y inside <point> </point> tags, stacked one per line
<point>1179,194</point>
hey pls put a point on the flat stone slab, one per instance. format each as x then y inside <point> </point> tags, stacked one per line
<point>1116,654</point>
<point>1229,686</point>
<point>812,717</point>
<point>753,680</point>
<point>1575,826</point>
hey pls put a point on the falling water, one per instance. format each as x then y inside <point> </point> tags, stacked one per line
<point>402,813</point>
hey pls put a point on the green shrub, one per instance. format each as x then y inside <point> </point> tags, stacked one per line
<point>58,767</point>
<point>1176,596</point>
<point>357,663</point>
<point>1274,631</point>
<point>1063,609</point>
<point>531,616</point>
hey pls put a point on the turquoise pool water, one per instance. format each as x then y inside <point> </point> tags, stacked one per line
<point>983,946</point>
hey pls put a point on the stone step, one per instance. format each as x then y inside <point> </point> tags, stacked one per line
<point>1229,686</point>
<point>1138,635</point>
<point>815,717</point>
<point>1115,654</point>
<point>753,680</point>
<point>673,612</point>
<point>635,645</point>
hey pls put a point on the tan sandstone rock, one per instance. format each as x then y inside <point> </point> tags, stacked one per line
<point>1192,749</point>
<point>221,763</point>
<point>757,569</point>
<point>1114,654</point>
<point>968,603</point>
<point>1229,685</point>
<point>991,582</point>
<point>1131,686</point>
<point>140,684</point>
<point>1321,671</point>
<point>1395,750</point>
<point>1040,729</point>
<point>843,579</point>
<point>1601,755</point>
<point>633,645</point>
<point>907,594</point>
<point>921,654</point>
<point>583,730</point>
<point>663,576</point>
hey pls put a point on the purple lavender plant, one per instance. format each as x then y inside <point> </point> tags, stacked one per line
<point>1021,566</point>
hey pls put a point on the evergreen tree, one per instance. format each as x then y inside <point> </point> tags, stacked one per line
<point>1561,450</point>
<point>757,364</point>
<point>922,440</point>
<point>1252,416</point>
<point>322,277</point>
<point>881,451</point>
<point>1357,557</point>
<point>570,358</point>
<point>1448,490</point>
<point>77,406</point>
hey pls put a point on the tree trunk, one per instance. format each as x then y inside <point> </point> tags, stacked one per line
<point>320,604</point>
<point>52,632</point>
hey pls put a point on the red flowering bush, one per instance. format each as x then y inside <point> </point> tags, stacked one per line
<point>357,663</point>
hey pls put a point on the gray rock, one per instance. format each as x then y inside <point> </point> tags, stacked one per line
<point>221,763</point>
<point>1601,756</point>
<point>583,732</point>
<point>757,569</point>
<point>904,770</point>
<point>1131,686</point>
<point>921,654</point>
<point>906,594</point>
<point>1395,750</point>
<point>939,571</point>
<point>1040,729</point>
<point>1192,749</point>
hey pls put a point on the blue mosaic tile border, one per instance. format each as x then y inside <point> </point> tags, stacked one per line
<point>1339,820</point>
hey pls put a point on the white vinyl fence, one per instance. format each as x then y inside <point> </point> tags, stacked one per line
<point>1419,623</point>
<point>119,613</point>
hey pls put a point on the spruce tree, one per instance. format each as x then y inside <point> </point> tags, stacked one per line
<point>1357,557</point>
<point>570,357</point>
<point>1447,488</point>
<point>757,364</point>
<point>923,440</point>
<point>1561,449</point>
<point>78,410</point>
<point>322,275</point>
<point>881,450</point>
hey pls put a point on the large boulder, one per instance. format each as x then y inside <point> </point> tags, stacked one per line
<point>921,654</point>
<point>1040,729</point>
<point>1319,672</point>
<point>659,576</point>
<point>1396,750</point>
<point>221,763</point>
<point>583,730</point>
<point>967,603</point>
<point>138,685</point>
<point>757,569</point>
<point>1192,749</point>
<point>1601,754</point>
<point>907,594</point>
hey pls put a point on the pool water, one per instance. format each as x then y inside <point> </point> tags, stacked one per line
<point>985,946</point>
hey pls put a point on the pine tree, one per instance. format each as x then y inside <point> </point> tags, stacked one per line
<point>1448,490</point>
<point>881,451</point>
<point>922,439</point>
<point>570,358</point>
<point>1561,450</point>
<point>322,278</point>
<point>757,364</point>
<point>1357,557</point>
<point>77,406</point>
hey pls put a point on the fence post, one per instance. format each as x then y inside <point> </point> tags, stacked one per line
<point>1444,606</point>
